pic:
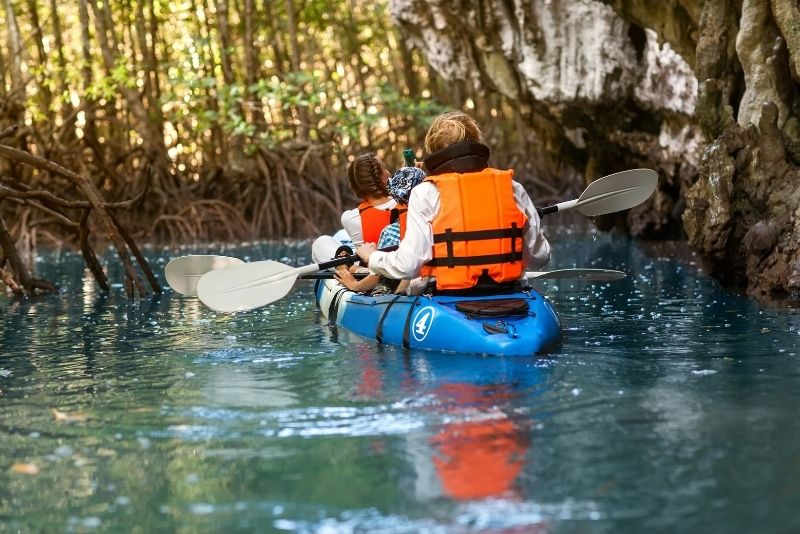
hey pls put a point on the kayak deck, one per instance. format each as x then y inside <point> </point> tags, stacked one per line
<point>515,324</point>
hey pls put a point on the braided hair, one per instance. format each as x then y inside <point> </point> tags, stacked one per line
<point>364,174</point>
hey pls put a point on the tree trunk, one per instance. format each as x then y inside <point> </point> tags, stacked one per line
<point>15,47</point>
<point>90,127</point>
<point>152,137</point>
<point>406,56</point>
<point>294,45</point>
<point>68,128</point>
<point>148,64</point>
<point>218,140</point>
<point>47,97</point>
<point>225,45</point>
<point>294,57</point>
<point>152,59</point>
<point>12,108</point>
<point>252,65</point>
<point>2,73</point>
<point>277,50</point>
<point>278,54</point>
<point>236,161</point>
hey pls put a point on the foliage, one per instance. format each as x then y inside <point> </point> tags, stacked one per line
<point>218,99</point>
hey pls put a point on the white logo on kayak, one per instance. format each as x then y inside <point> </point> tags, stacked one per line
<point>422,323</point>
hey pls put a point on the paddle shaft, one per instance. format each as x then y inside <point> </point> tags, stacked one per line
<point>344,260</point>
<point>557,207</point>
<point>588,274</point>
<point>299,272</point>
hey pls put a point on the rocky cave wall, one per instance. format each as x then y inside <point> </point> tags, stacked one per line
<point>705,92</point>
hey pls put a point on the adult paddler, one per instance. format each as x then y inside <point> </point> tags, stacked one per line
<point>469,226</point>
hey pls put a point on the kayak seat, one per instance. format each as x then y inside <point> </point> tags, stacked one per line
<point>493,308</point>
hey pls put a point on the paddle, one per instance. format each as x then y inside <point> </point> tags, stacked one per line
<point>249,286</point>
<point>263,282</point>
<point>615,192</point>
<point>183,273</point>
<point>252,285</point>
<point>590,275</point>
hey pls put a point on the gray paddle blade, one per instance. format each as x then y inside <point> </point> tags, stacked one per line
<point>247,286</point>
<point>183,273</point>
<point>617,192</point>
<point>591,275</point>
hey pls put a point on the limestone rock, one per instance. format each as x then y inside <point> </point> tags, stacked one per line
<point>703,91</point>
<point>602,93</point>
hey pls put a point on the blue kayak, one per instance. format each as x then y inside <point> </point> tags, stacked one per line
<point>515,324</point>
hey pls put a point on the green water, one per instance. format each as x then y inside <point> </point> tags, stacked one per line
<point>670,407</point>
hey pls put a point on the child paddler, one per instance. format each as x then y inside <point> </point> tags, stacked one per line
<point>399,186</point>
<point>367,176</point>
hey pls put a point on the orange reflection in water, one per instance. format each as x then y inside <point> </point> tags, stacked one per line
<point>481,452</point>
<point>479,459</point>
<point>482,456</point>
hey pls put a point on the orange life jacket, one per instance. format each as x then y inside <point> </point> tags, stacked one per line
<point>374,220</point>
<point>479,229</point>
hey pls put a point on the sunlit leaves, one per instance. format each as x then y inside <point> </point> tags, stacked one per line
<point>340,95</point>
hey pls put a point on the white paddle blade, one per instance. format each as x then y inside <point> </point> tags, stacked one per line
<point>617,192</point>
<point>591,275</point>
<point>183,273</point>
<point>247,286</point>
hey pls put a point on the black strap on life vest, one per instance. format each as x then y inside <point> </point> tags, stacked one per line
<point>449,236</point>
<point>477,235</point>
<point>489,259</point>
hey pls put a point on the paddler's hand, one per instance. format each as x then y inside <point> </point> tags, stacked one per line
<point>345,278</point>
<point>365,251</point>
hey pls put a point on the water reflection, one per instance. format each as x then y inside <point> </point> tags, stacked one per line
<point>481,455</point>
<point>474,446</point>
<point>670,398</point>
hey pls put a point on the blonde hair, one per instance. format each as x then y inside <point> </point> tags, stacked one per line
<point>450,128</point>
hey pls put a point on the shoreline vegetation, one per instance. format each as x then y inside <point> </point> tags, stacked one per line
<point>190,121</point>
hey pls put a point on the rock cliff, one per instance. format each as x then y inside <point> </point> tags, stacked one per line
<point>702,91</point>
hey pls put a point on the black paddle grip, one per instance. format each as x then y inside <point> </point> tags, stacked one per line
<point>328,275</point>
<point>345,260</point>
<point>544,211</point>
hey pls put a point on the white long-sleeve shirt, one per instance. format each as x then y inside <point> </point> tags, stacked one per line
<point>416,248</point>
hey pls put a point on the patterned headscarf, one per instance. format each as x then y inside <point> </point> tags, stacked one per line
<point>403,181</point>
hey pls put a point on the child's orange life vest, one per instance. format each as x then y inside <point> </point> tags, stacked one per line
<point>374,220</point>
